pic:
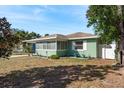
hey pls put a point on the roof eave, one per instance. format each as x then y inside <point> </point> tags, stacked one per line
<point>44,39</point>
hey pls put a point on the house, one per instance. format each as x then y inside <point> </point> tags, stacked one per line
<point>18,49</point>
<point>76,45</point>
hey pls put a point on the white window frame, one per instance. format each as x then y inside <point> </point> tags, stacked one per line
<point>84,46</point>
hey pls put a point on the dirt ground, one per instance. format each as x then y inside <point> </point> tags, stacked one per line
<point>62,73</point>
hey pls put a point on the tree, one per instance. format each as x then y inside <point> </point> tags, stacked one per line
<point>121,25</point>
<point>25,35</point>
<point>7,39</point>
<point>106,21</point>
<point>46,35</point>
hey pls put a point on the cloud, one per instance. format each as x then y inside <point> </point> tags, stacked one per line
<point>47,18</point>
<point>42,9</point>
<point>19,16</point>
<point>37,11</point>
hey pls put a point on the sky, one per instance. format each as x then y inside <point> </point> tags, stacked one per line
<point>47,19</point>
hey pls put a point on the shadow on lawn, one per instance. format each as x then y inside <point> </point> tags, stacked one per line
<point>51,77</point>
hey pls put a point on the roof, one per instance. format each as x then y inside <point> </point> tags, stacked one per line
<point>47,38</point>
<point>78,35</point>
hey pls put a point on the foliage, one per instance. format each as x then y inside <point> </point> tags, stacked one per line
<point>28,49</point>
<point>25,35</point>
<point>108,22</point>
<point>46,35</point>
<point>8,39</point>
<point>54,57</point>
<point>105,21</point>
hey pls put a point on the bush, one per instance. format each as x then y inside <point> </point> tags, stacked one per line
<point>54,57</point>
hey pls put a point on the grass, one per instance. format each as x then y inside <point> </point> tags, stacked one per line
<point>23,63</point>
<point>64,72</point>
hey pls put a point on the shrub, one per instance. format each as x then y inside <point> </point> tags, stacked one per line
<point>54,57</point>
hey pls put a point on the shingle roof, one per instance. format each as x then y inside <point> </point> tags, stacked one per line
<point>79,34</point>
<point>55,35</point>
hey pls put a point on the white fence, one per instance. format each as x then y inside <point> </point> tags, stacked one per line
<point>107,51</point>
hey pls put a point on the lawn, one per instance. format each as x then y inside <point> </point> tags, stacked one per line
<point>64,72</point>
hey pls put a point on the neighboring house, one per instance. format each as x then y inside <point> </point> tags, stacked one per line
<point>18,48</point>
<point>77,45</point>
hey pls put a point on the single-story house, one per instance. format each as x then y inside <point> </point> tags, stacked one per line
<point>77,45</point>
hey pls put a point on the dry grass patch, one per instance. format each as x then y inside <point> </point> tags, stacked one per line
<point>64,72</point>
<point>22,63</point>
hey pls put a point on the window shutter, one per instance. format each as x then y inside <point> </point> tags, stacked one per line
<point>85,45</point>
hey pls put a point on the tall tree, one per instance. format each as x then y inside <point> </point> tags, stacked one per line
<point>106,21</point>
<point>46,35</point>
<point>7,39</point>
<point>25,35</point>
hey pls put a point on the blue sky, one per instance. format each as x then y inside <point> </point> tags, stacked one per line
<point>52,19</point>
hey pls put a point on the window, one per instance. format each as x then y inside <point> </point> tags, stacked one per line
<point>45,45</point>
<point>50,45</point>
<point>78,45</point>
<point>37,46</point>
<point>61,45</point>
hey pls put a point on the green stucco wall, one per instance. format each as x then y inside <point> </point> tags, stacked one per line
<point>90,52</point>
<point>45,52</point>
<point>62,53</point>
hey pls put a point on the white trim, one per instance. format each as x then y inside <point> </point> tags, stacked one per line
<point>84,44</point>
<point>79,50</point>
<point>47,49</point>
<point>73,43</point>
<point>84,37</point>
<point>51,49</point>
<point>62,50</point>
<point>38,39</point>
<point>55,37</point>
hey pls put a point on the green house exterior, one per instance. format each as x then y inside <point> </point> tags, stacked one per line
<point>73,45</point>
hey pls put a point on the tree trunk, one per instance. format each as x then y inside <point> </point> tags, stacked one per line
<point>122,50</point>
<point>121,35</point>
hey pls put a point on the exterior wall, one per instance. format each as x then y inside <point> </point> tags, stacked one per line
<point>45,52</point>
<point>62,53</point>
<point>91,50</point>
<point>18,49</point>
<point>62,48</point>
